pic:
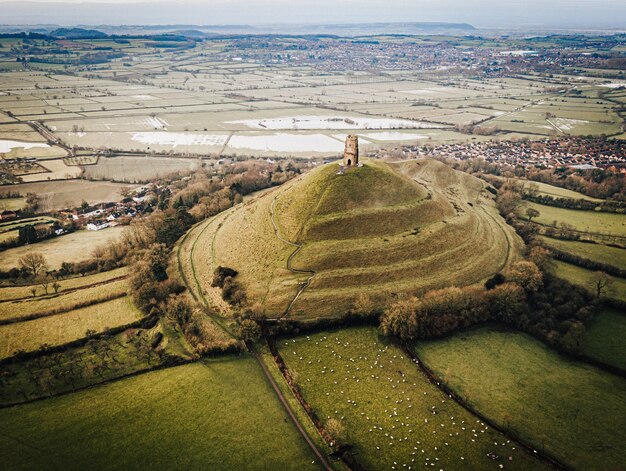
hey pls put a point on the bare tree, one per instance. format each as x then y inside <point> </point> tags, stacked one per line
<point>601,283</point>
<point>44,282</point>
<point>34,262</point>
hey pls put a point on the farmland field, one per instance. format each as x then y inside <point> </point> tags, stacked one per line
<point>66,327</point>
<point>584,221</point>
<point>136,169</point>
<point>210,414</point>
<point>555,191</point>
<point>74,247</point>
<point>62,301</point>
<point>8,292</point>
<point>605,338</point>
<point>67,194</point>
<point>569,409</point>
<point>595,252</point>
<point>583,277</point>
<point>392,414</point>
<point>11,204</point>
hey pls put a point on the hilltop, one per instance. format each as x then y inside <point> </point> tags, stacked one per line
<point>379,229</point>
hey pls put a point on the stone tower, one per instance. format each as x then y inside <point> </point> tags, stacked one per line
<point>351,154</point>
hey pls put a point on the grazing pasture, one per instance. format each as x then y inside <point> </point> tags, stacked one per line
<point>213,414</point>
<point>555,191</point>
<point>62,328</point>
<point>392,415</point>
<point>139,169</point>
<point>571,410</point>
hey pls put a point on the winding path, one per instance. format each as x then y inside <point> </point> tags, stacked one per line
<point>298,246</point>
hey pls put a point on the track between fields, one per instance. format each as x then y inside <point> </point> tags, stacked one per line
<point>320,456</point>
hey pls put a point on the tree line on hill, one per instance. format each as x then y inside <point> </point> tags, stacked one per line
<point>524,298</point>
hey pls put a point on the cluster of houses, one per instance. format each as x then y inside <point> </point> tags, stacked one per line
<point>574,152</point>
<point>103,215</point>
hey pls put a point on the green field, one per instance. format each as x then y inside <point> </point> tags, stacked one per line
<point>584,221</point>
<point>402,237</point>
<point>555,191</point>
<point>596,252</point>
<point>207,415</point>
<point>574,411</point>
<point>392,414</point>
<point>66,327</point>
<point>583,277</point>
<point>605,338</point>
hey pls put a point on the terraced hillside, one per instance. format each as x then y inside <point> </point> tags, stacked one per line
<point>308,248</point>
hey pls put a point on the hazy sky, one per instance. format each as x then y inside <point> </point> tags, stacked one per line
<point>492,13</point>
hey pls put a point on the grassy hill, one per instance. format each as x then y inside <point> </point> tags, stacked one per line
<point>379,229</point>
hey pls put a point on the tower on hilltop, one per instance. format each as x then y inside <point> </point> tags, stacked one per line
<point>351,153</point>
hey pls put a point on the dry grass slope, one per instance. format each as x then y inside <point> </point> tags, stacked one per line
<point>379,229</point>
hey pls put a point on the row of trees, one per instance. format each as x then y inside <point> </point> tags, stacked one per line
<point>579,204</point>
<point>548,308</point>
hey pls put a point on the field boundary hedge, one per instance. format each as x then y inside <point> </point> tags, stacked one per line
<point>586,263</point>
<point>143,322</point>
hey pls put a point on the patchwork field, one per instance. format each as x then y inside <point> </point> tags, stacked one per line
<point>201,102</point>
<point>401,237</point>
<point>201,415</point>
<point>74,247</point>
<point>63,328</point>
<point>393,416</point>
<point>569,409</point>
